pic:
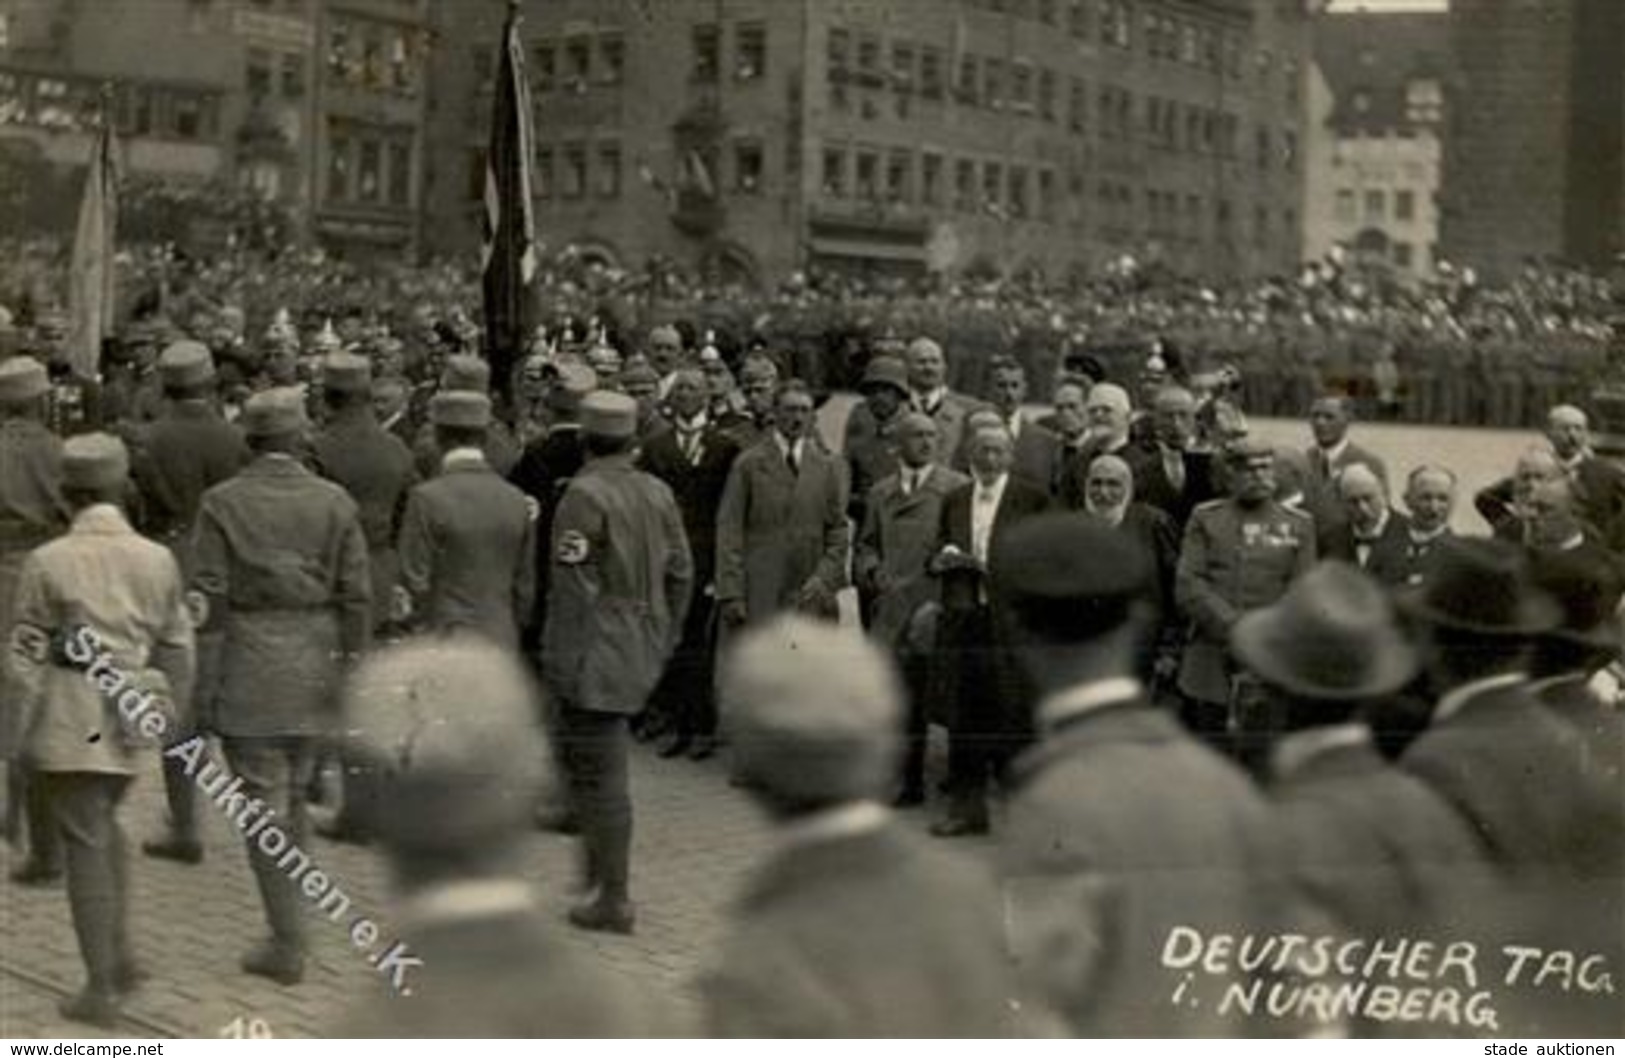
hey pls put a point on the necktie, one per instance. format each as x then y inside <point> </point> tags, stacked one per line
<point>1323,465</point>
<point>1173,465</point>
<point>689,441</point>
<point>791,461</point>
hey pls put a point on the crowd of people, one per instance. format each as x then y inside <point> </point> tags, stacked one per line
<point>1189,681</point>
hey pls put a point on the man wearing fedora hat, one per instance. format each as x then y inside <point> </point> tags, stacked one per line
<point>1568,658</point>
<point>100,590</point>
<point>1122,826</point>
<point>280,566</point>
<point>856,927</point>
<point>619,589</point>
<point>189,450</point>
<point>466,542</point>
<point>1490,737</point>
<point>1371,844</point>
<point>32,511</point>
<point>452,827</point>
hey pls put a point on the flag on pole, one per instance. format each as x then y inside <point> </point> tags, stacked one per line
<point>91,275</point>
<point>510,254</point>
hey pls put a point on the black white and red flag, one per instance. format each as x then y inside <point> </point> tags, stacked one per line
<point>510,250</point>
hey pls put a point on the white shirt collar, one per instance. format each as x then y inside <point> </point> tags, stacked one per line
<point>461,901</point>
<point>462,456</point>
<point>995,490</point>
<point>1335,452</point>
<point>1452,703</point>
<point>1382,526</point>
<point>1428,538</point>
<point>786,446</point>
<point>842,821</point>
<point>699,422</point>
<point>1295,750</point>
<point>929,398</point>
<point>1087,697</point>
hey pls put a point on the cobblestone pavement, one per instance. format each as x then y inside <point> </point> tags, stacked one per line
<point>696,837</point>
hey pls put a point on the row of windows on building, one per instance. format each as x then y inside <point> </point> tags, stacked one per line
<point>1376,203</point>
<point>375,55</point>
<point>584,59</point>
<point>369,165</point>
<point>73,103</point>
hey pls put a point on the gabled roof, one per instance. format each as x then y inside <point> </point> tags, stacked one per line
<point>1369,60</point>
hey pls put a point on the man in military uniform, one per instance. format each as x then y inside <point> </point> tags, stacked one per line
<point>871,453</point>
<point>101,591</point>
<point>32,511</point>
<point>372,465</point>
<point>467,551</point>
<point>189,450</point>
<point>617,597</point>
<point>467,373</point>
<point>1239,553</point>
<point>280,562</point>
<point>490,965</point>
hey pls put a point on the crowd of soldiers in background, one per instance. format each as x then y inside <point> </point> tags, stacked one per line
<point>653,501</point>
<point>1450,350</point>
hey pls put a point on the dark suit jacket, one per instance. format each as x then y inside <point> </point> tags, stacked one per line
<point>697,487</point>
<point>1072,471</point>
<point>1155,531</point>
<point>1511,767</point>
<point>1320,490</point>
<point>1371,844</point>
<point>509,976</point>
<point>1020,500</point>
<point>865,935</point>
<point>1122,828</point>
<point>1602,497</point>
<point>1387,560</point>
<point>1035,455</point>
<point>544,469</point>
<point>1152,487</point>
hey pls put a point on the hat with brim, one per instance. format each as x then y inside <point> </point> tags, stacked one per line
<point>274,412</point>
<point>1332,636</point>
<point>1483,587</point>
<point>885,372</point>
<point>1586,595</point>
<point>22,379</point>
<point>465,372</point>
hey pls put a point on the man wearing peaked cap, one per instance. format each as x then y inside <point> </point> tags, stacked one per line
<point>856,927</point>
<point>102,588</point>
<point>618,589</point>
<point>1122,826</point>
<point>445,737</point>
<point>32,511</point>
<point>279,570</point>
<point>466,541</point>
<point>1371,844</point>
<point>189,450</point>
<point>466,373</point>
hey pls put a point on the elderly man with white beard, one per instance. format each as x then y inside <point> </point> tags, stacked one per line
<point>1108,497</point>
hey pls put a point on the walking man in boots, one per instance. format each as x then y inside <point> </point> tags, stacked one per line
<point>281,563</point>
<point>619,590</point>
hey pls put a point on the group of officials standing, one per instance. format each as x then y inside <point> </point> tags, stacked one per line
<point>1132,633</point>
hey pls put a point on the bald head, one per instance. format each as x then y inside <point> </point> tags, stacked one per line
<point>1430,496</point>
<point>1364,498</point>
<point>916,439</point>
<point>1107,409</point>
<point>1550,514</point>
<point>1568,430</point>
<point>927,367</point>
<point>1173,413</point>
<point>1108,488</point>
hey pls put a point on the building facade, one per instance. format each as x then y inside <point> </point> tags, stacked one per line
<point>758,137</point>
<point>1535,161</point>
<point>1374,151</point>
<point>314,104</point>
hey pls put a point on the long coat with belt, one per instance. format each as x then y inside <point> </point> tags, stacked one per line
<point>127,590</point>
<point>620,586</point>
<point>863,935</point>
<point>898,537</point>
<point>778,530</point>
<point>468,551</point>
<point>280,569</point>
